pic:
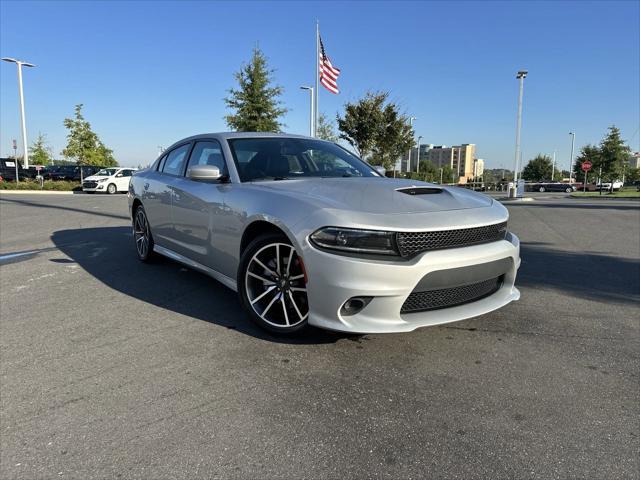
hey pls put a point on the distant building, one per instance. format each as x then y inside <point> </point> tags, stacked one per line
<point>478,167</point>
<point>459,158</point>
<point>634,160</point>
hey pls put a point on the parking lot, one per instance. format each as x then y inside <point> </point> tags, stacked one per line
<point>113,368</point>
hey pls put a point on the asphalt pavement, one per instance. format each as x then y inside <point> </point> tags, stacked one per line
<point>110,368</point>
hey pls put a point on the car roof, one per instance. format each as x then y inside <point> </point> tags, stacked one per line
<point>232,135</point>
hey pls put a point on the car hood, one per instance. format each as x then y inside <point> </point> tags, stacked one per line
<point>377,195</point>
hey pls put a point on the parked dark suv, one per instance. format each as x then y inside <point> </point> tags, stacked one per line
<point>8,170</point>
<point>70,172</point>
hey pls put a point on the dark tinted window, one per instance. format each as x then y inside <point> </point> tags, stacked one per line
<point>208,153</point>
<point>279,158</point>
<point>176,158</point>
<point>126,173</point>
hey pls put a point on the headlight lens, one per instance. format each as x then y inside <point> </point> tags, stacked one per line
<point>355,240</point>
<point>102,180</point>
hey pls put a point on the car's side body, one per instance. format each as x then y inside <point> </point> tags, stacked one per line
<point>207,226</point>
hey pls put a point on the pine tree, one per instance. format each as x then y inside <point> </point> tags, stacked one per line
<point>83,144</point>
<point>40,152</point>
<point>613,154</point>
<point>255,103</point>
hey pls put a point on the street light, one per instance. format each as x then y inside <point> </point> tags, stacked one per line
<point>573,141</point>
<point>520,76</point>
<point>411,119</point>
<point>418,163</point>
<point>312,127</point>
<point>20,63</point>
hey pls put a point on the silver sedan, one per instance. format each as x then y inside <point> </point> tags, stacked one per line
<point>307,233</point>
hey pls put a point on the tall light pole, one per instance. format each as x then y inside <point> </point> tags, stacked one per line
<point>20,63</point>
<point>418,163</point>
<point>573,141</point>
<point>553,166</point>
<point>312,117</point>
<point>522,74</point>
<point>411,119</point>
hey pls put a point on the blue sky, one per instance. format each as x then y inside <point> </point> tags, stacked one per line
<point>150,73</point>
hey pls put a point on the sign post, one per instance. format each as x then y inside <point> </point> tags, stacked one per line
<point>586,166</point>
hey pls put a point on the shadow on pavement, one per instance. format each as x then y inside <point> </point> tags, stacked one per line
<point>589,275</point>
<point>60,207</point>
<point>108,254</point>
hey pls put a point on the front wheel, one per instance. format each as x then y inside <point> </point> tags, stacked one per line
<point>541,189</point>
<point>569,190</point>
<point>111,189</point>
<point>142,235</point>
<point>272,285</point>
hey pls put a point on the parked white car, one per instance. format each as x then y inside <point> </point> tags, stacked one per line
<point>617,185</point>
<point>110,180</point>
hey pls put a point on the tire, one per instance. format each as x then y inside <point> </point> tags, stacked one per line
<point>569,190</point>
<point>111,189</point>
<point>142,235</point>
<point>541,189</point>
<point>271,285</point>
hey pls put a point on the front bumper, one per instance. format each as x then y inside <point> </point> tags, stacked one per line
<point>333,279</point>
<point>94,187</point>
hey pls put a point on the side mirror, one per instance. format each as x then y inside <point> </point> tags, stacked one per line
<point>119,175</point>
<point>381,170</point>
<point>204,173</point>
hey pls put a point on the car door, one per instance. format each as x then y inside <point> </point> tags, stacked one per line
<point>122,179</point>
<point>197,207</point>
<point>156,193</point>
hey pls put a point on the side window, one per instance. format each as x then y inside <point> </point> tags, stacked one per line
<point>208,153</point>
<point>161,163</point>
<point>174,164</point>
<point>126,173</point>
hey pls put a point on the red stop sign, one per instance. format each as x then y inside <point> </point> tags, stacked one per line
<point>586,166</point>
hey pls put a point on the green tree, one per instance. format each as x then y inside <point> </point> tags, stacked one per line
<point>325,129</point>
<point>587,152</point>
<point>613,154</point>
<point>540,169</point>
<point>376,129</point>
<point>83,144</point>
<point>40,152</point>
<point>255,103</point>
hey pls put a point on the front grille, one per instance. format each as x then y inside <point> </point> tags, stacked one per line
<point>411,243</point>
<point>90,184</point>
<point>450,297</point>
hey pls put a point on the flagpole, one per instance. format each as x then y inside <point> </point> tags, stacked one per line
<point>315,106</point>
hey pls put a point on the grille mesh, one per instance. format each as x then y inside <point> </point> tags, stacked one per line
<point>449,297</point>
<point>411,243</point>
<point>90,184</point>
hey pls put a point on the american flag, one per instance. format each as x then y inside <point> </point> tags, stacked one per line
<point>328,73</point>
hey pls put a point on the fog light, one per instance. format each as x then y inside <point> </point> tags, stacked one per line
<point>354,305</point>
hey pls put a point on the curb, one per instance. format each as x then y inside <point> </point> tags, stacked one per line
<point>40,192</point>
<point>521,199</point>
<point>606,198</point>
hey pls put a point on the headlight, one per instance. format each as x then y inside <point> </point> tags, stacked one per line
<point>102,180</point>
<point>354,240</point>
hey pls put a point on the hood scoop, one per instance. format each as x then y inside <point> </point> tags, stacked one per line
<point>419,190</point>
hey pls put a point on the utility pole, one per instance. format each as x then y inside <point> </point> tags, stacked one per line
<point>23,122</point>
<point>522,74</point>
<point>573,141</point>
<point>411,119</point>
<point>418,164</point>
<point>312,117</point>
<point>553,165</point>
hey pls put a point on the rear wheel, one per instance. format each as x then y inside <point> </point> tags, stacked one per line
<point>272,286</point>
<point>142,235</point>
<point>569,190</point>
<point>111,189</point>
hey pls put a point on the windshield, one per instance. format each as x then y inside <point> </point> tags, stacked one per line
<point>289,158</point>
<point>107,172</point>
